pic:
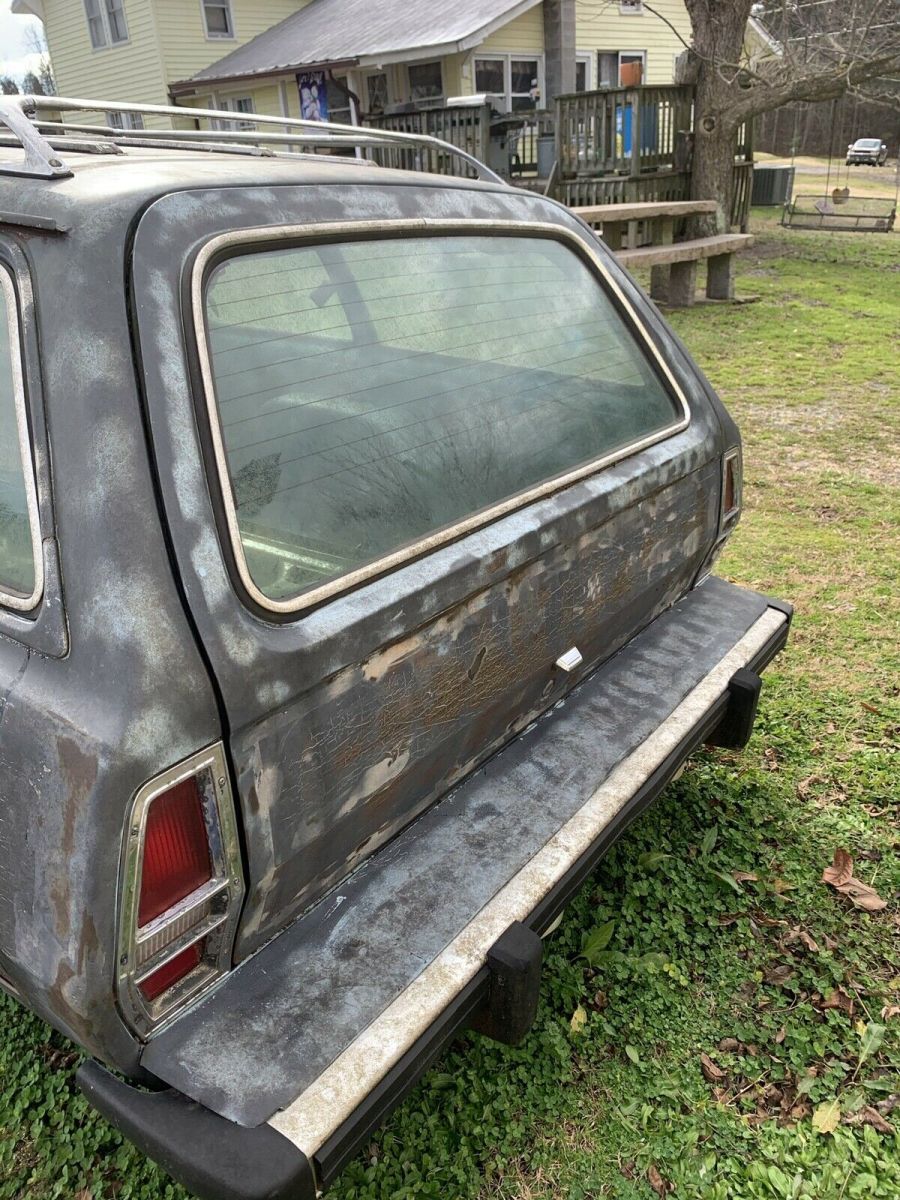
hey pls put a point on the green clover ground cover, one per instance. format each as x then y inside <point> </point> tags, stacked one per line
<point>714,1018</point>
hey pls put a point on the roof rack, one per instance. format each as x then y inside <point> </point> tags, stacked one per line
<point>41,139</point>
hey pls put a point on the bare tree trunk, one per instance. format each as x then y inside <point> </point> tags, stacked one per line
<point>718,30</point>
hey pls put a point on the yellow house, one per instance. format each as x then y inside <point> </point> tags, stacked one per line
<point>350,57</point>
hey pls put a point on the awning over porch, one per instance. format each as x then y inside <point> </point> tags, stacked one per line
<point>360,33</point>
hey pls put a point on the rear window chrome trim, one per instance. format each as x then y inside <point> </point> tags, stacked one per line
<point>240,239</point>
<point>11,599</point>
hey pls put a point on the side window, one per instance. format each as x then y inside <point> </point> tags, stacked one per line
<point>20,582</point>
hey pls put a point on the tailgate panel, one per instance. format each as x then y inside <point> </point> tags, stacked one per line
<point>345,767</point>
<point>282,1017</point>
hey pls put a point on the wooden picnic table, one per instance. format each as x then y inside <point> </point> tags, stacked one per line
<point>673,265</point>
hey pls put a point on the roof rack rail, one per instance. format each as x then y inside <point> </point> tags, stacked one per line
<point>22,115</point>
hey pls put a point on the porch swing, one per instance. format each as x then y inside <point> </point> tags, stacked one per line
<point>837,209</point>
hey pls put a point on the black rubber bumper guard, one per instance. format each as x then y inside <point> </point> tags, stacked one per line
<point>216,1159</point>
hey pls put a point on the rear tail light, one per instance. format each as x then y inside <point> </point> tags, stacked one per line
<point>182,889</point>
<point>176,968</point>
<point>176,850</point>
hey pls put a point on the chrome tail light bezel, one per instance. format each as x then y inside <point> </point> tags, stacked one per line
<point>209,914</point>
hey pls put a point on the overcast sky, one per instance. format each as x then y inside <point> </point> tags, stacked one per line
<point>15,58</point>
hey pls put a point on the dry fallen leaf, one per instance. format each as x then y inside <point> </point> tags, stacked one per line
<point>840,876</point>
<point>780,1036</point>
<point>800,935</point>
<point>870,1116</point>
<point>661,1186</point>
<point>862,896</point>
<point>729,918</point>
<point>839,999</point>
<point>778,975</point>
<point>744,876</point>
<point>841,869</point>
<point>729,1045</point>
<point>711,1073</point>
<point>890,1010</point>
<point>827,1117</point>
<point>579,1020</point>
<point>761,919</point>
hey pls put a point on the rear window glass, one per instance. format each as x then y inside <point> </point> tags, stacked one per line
<point>370,393</point>
<point>18,571</point>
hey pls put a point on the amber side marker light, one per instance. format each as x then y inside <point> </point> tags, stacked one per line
<point>182,889</point>
<point>731,485</point>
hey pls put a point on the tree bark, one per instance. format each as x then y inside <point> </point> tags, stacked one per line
<point>718,38</point>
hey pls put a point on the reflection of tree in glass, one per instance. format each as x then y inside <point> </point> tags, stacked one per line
<point>256,483</point>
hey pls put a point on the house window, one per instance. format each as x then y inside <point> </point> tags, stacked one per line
<point>631,8</point>
<point>117,120</point>
<point>377,92</point>
<point>340,110</point>
<point>621,68</point>
<point>490,76</point>
<point>237,104</point>
<point>426,82</point>
<point>106,22</point>
<point>583,73</point>
<point>217,18</point>
<point>519,81</point>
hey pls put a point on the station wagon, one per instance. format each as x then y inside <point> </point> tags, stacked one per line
<point>356,548</point>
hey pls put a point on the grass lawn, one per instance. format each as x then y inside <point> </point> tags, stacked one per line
<point>790,993</point>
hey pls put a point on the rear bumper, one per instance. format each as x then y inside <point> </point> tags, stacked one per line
<point>285,1144</point>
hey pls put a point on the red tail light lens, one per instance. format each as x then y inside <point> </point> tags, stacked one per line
<point>176,968</point>
<point>176,851</point>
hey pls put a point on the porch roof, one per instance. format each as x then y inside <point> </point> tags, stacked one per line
<point>359,32</point>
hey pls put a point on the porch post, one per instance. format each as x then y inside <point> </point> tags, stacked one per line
<point>559,49</point>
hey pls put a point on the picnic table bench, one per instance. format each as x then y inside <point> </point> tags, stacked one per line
<point>673,275</point>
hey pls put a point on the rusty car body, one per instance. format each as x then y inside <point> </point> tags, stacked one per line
<point>355,593</point>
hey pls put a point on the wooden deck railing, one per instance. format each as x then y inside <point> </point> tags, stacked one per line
<point>467,127</point>
<point>627,145</point>
<point>615,146</point>
<point>621,130</point>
